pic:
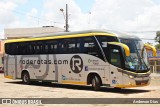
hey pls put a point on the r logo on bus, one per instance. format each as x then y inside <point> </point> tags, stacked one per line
<point>76,64</point>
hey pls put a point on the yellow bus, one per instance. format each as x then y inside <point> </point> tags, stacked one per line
<point>94,57</point>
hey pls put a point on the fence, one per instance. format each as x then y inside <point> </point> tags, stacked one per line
<point>155,66</point>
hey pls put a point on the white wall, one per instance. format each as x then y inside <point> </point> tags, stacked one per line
<point>29,32</point>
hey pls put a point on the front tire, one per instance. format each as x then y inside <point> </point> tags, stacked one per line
<point>96,83</point>
<point>26,78</point>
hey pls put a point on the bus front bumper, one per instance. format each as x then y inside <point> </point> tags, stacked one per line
<point>136,83</point>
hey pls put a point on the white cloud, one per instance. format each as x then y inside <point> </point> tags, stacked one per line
<point>8,18</point>
<point>127,15</point>
<point>31,18</point>
<point>17,1</point>
<point>7,12</point>
<point>122,15</point>
<point>32,13</point>
<point>52,11</point>
<point>119,14</point>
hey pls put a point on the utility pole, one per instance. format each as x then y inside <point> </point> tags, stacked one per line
<point>65,17</point>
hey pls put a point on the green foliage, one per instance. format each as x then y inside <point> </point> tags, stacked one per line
<point>157,38</point>
<point>157,46</point>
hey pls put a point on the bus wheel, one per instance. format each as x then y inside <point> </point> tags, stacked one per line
<point>117,88</point>
<point>96,83</point>
<point>26,78</point>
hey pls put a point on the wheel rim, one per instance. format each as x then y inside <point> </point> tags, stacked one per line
<point>26,78</point>
<point>93,82</point>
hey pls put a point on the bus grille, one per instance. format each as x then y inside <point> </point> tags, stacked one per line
<point>142,82</point>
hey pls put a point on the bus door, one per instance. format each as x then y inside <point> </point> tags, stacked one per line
<point>10,65</point>
<point>116,62</point>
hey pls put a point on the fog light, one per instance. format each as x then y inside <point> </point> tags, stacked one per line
<point>131,76</point>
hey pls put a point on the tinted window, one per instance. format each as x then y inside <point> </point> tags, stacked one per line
<point>90,46</point>
<point>11,48</point>
<point>115,57</point>
<point>103,42</point>
<point>104,39</point>
<point>51,46</point>
<point>70,45</point>
<point>33,47</point>
<point>86,45</point>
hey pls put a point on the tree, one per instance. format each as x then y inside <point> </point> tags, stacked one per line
<point>157,46</point>
<point>157,38</point>
<point>149,43</point>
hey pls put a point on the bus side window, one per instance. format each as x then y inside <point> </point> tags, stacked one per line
<point>12,48</point>
<point>103,42</point>
<point>51,47</point>
<point>37,50</point>
<point>77,47</point>
<point>7,48</point>
<point>91,47</point>
<point>39,47</point>
<point>46,49</point>
<point>21,48</point>
<point>55,50</point>
<point>69,46</point>
<point>115,57</point>
<point>29,49</point>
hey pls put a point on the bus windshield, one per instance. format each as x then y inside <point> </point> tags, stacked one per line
<point>137,61</point>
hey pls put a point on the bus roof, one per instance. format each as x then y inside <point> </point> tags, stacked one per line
<point>44,36</point>
<point>124,35</point>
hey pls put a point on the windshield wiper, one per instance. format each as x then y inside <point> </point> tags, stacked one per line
<point>140,58</point>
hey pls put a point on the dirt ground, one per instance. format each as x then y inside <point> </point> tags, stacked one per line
<point>15,89</point>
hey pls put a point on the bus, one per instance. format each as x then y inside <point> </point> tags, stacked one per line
<point>94,57</point>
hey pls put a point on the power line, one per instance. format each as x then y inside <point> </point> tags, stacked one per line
<point>34,17</point>
<point>142,31</point>
<point>147,39</point>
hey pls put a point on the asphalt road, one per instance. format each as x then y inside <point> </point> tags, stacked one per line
<point>15,89</point>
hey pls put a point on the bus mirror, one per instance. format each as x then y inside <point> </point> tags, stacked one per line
<point>124,46</point>
<point>151,48</point>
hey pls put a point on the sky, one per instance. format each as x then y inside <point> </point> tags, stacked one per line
<point>136,17</point>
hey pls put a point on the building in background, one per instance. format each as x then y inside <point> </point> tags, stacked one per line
<point>154,62</point>
<point>16,33</point>
<point>1,55</point>
<point>30,32</point>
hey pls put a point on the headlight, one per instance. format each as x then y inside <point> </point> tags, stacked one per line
<point>131,76</point>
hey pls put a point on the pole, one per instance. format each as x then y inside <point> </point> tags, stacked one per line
<point>66,17</point>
